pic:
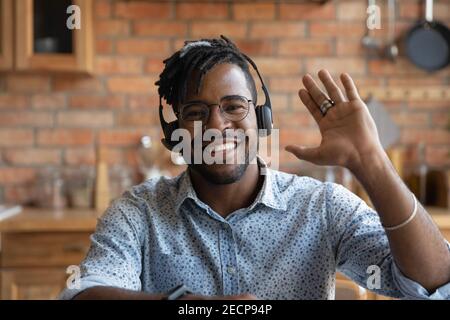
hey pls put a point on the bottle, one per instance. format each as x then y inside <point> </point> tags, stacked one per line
<point>101,183</point>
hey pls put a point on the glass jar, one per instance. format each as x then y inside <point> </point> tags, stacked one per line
<point>50,189</point>
<point>80,187</point>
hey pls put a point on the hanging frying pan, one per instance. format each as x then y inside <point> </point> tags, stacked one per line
<point>428,42</point>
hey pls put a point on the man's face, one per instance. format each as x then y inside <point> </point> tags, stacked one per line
<point>221,81</point>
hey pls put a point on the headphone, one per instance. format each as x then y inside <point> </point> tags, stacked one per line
<point>263,115</point>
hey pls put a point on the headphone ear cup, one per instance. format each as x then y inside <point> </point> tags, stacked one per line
<point>264,120</point>
<point>167,130</point>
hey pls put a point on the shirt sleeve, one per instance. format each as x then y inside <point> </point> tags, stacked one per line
<point>362,250</point>
<point>114,257</point>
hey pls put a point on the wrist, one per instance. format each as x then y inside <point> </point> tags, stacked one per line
<point>371,166</point>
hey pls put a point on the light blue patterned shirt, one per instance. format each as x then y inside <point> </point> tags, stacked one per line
<point>287,245</point>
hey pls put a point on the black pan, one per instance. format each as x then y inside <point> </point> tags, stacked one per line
<point>428,42</point>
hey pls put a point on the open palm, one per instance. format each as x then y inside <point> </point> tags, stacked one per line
<point>348,130</point>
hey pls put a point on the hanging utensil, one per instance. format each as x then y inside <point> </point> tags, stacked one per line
<point>367,41</point>
<point>391,49</point>
<point>387,129</point>
<point>428,42</point>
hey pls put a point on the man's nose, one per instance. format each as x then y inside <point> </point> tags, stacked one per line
<point>217,119</point>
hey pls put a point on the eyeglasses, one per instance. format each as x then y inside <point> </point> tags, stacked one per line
<point>233,108</point>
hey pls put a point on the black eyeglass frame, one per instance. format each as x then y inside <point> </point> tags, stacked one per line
<point>179,113</point>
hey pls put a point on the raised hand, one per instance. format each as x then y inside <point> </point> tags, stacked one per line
<point>349,134</point>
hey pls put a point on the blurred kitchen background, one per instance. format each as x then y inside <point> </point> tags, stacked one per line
<point>79,118</point>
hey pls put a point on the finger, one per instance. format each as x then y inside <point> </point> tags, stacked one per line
<point>310,104</point>
<point>314,90</point>
<point>304,153</point>
<point>333,90</point>
<point>350,87</point>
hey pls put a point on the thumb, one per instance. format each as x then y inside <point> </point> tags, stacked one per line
<point>305,153</point>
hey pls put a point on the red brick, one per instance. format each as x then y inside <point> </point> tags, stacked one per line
<point>255,47</point>
<point>131,84</point>
<point>73,84</point>
<point>161,29</point>
<point>215,29</point>
<point>79,156</point>
<point>142,47</point>
<point>25,83</point>
<point>440,119</point>
<point>302,137</point>
<point>26,118</point>
<point>409,10</point>
<point>154,65</point>
<point>278,66</point>
<point>347,48</point>
<point>401,67</point>
<point>306,11</point>
<point>63,137</point>
<point>16,137</point>
<point>428,105</point>
<point>410,119</point>
<point>280,102</point>
<point>16,175</point>
<point>406,81</point>
<point>103,46</point>
<point>112,28</point>
<point>140,119</point>
<point>334,29</point>
<point>352,10</point>
<point>438,156</point>
<point>305,47</point>
<point>285,84</point>
<point>277,30</point>
<point>354,66</point>
<point>137,102</point>
<point>296,120</point>
<point>32,156</point>
<point>102,8</point>
<point>120,137</point>
<point>85,119</point>
<point>97,102</point>
<point>143,10</point>
<point>48,101</point>
<point>118,65</point>
<point>214,11</point>
<point>430,136</point>
<point>8,101</point>
<point>253,11</point>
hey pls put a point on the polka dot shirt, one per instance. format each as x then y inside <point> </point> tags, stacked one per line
<point>288,244</point>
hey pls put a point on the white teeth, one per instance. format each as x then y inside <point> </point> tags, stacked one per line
<point>225,146</point>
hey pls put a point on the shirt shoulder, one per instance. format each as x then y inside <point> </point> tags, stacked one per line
<point>292,183</point>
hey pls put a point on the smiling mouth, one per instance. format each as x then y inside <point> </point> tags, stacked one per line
<point>223,147</point>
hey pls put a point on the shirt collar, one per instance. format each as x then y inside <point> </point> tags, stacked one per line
<point>269,195</point>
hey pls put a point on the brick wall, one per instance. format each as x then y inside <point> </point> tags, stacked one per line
<point>56,120</point>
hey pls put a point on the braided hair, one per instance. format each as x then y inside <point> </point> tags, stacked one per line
<point>193,61</point>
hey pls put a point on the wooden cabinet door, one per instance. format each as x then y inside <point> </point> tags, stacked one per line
<point>70,50</point>
<point>6,35</point>
<point>32,284</point>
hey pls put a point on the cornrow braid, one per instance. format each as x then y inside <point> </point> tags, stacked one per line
<point>198,57</point>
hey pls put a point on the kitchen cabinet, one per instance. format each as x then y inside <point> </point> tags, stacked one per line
<point>37,246</point>
<point>6,35</point>
<point>47,35</point>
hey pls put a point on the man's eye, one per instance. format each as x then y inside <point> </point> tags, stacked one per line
<point>234,108</point>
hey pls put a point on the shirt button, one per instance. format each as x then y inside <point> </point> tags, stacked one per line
<point>231,270</point>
